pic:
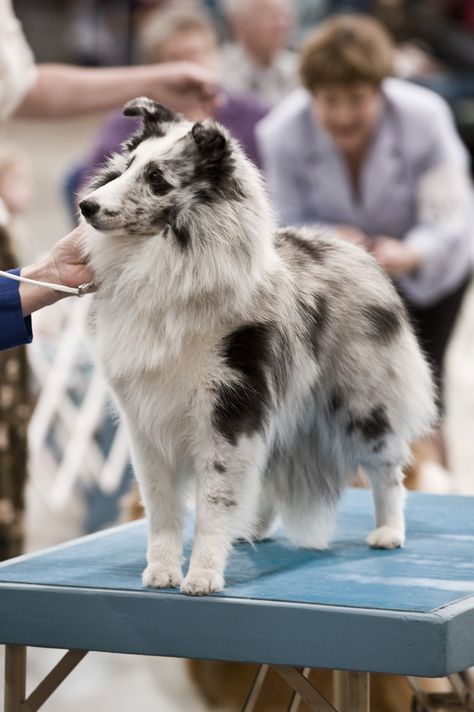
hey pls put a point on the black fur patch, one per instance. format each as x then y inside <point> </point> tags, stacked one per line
<point>223,500</point>
<point>106,175</point>
<point>378,446</point>
<point>215,163</point>
<point>314,249</point>
<point>241,407</point>
<point>169,217</point>
<point>282,357</point>
<point>210,140</point>
<point>385,322</point>
<point>219,467</point>
<point>205,196</point>
<point>183,238</point>
<point>374,426</point>
<point>335,401</point>
<point>316,317</point>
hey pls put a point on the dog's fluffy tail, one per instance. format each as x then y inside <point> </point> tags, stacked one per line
<point>311,527</point>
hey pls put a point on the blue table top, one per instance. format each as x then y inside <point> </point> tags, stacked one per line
<point>435,569</point>
<point>428,583</point>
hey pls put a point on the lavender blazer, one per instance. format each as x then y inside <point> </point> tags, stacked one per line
<point>415,183</point>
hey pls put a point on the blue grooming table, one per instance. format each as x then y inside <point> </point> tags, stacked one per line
<point>409,611</point>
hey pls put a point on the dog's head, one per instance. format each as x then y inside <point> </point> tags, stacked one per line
<point>182,196</point>
<point>169,166</point>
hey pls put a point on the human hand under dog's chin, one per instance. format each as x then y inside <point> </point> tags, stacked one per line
<point>66,264</point>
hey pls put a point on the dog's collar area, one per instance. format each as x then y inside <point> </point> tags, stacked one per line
<point>79,291</point>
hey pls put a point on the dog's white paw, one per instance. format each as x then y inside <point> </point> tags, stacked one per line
<point>159,576</point>
<point>385,538</point>
<point>200,582</point>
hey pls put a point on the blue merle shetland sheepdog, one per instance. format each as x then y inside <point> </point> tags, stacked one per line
<point>266,366</point>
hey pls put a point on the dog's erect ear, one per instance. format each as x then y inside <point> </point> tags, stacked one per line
<point>209,139</point>
<point>149,110</point>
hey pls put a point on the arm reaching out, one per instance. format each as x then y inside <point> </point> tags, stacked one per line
<point>62,90</point>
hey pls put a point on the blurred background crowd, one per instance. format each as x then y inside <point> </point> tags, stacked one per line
<point>360,114</point>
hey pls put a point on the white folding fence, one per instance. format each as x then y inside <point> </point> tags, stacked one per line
<point>73,404</point>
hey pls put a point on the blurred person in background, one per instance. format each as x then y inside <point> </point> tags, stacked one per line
<point>16,191</point>
<point>379,161</point>
<point>436,49</point>
<point>175,36</point>
<point>310,12</point>
<point>16,183</point>
<point>59,90</point>
<point>257,59</point>
<point>442,32</point>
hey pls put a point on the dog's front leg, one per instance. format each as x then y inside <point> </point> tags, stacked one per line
<point>227,496</point>
<point>164,510</point>
<point>161,493</point>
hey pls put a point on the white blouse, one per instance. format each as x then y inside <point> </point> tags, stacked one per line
<point>17,65</point>
<point>415,183</point>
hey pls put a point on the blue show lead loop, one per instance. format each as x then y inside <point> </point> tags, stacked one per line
<point>79,291</point>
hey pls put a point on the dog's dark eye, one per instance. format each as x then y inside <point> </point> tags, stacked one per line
<point>158,182</point>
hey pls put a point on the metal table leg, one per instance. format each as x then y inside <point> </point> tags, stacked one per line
<point>352,691</point>
<point>15,677</point>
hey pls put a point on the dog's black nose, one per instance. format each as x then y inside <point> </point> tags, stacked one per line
<point>88,208</point>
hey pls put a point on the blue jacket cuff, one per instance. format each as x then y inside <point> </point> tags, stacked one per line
<point>15,329</point>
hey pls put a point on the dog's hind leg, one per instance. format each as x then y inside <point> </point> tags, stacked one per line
<point>266,513</point>
<point>228,485</point>
<point>389,500</point>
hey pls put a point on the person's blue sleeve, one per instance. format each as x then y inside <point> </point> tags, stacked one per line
<point>15,329</point>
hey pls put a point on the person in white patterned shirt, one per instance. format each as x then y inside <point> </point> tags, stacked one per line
<point>258,59</point>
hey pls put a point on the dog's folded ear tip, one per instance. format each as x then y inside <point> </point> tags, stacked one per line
<point>150,110</point>
<point>197,129</point>
<point>138,106</point>
<point>208,135</point>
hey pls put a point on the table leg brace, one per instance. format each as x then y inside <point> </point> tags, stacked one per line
<point>304,688</point>
<point>15,679</point>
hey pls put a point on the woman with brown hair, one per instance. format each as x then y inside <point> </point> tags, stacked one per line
<point>378,160</point>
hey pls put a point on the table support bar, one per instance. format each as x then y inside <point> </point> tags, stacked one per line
<point>15,679</point>
<point>304,688</point>
<point>296,697</point>
<point>254,692</point>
